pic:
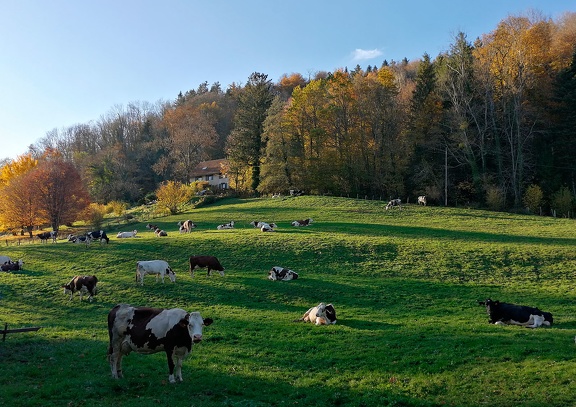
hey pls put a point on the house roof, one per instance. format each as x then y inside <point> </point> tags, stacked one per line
<point>208,167</point>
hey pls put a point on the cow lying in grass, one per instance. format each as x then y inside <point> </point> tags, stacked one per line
<point>502,313</point>
<point>278,273</point>
<point>321,314</point>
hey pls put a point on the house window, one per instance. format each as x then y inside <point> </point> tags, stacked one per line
<point>198,178</point>
<point>223,185</point>
<point>209,177</point>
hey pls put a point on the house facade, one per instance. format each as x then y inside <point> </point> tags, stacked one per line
<point>211,172</point>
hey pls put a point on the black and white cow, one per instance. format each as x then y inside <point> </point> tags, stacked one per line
<point>12,265</point>
<point>278,273</point>
<point>303,222</point>
<point>422,200</point>
<point>44,236</point>
<point>186,226</point>
<point>156,267</point>
<point>229,225</point>
<point>160,232</point>
<point>502,313</point>
<point>98,235</point>
<point>321,314</point>
<point>82,285</point>
<point>151,330</point>
<point>79,239</point>
<point>394,203</point>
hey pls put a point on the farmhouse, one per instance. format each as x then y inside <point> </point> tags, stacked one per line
<point>212,172</point>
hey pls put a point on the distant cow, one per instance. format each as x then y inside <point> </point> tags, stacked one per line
<point>229,225</point>
<point>209,262</point>
<point>44,236</point>
<point>82,285</point>
<point>186,226</point>
<point>394,203</point>
<point>304,222</point>
<point>321,314</point>
<point>422,200</point>
<point>259,224</point>
<point>151,226</point>
<point>12,265</point>
<point>159,232</point>
<point>79,239</point>
<point>501,313</point>
<point>99,235</point>
<point>7,259</point>
<point>151,330</point>
<point>281,273</point>
<point>156,267</point>
<point>124,235</point>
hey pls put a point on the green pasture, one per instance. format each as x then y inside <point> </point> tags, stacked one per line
<point>405,285</point>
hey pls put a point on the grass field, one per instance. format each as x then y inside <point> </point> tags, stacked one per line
<point>405,285</point>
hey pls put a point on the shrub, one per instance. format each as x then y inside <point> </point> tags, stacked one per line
<point>495,198</point>
<point>95,215</point>
<point>533,198</point>
<point>172,196</point>
<point>117,207</point>
<point>562,202</point>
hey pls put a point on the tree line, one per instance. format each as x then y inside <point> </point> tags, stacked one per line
<point>489,123</point>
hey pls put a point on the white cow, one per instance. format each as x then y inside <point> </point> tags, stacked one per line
<point>122,235</point>
<point>321,314</point>
<point>422,200</point>
<point>157,267</point>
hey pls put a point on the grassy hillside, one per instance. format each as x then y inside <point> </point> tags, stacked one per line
<point>405,285</point>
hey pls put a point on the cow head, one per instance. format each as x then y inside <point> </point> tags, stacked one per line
<point>326,313</point>
<point>171,275</point>
<point>491,309</point>
<point>195,323</point>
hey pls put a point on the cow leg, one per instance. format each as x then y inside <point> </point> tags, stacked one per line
<point>169,356</point>
<point>115,359</point>
<point>209,271</point>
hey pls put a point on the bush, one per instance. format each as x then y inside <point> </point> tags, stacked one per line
<point>533,198</point>
<point>495,198</point>
<point>117,207</point>
<point>172,196</point>
<point>95,215</point>
<point>562,202</point>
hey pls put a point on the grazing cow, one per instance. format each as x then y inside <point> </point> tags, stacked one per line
<point>150,330</point>
<point>422,200</point>
<point>209,262</point>
<point>124,235</point>
<point>79,239</point>
<point>282,274</point>
<point>501,313</point>
<point>82,285</point>
<point>321,314</point>
<point>394,203</point>
<point>157,267</point>
<point>12,265</point>
<point>44,236</point>
<point>159,232</point>
<point>304,222</point>
<point>229,225</point>
<point>186,226</point>
<point>99,235</point>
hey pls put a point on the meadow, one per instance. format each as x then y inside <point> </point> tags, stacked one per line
<point>405,284</point>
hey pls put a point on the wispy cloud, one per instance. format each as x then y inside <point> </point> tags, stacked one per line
<point>365,54</point>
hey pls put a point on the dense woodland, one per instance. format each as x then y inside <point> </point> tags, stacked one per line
<point>491,122</point>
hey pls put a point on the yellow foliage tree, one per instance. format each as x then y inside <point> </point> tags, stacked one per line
<point>13,169</point>
<point>173,195</point>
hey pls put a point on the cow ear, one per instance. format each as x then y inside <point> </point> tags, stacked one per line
<point>208,321</point>
<point>184,322</point>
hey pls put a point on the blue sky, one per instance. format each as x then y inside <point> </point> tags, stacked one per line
<point>68,62</point>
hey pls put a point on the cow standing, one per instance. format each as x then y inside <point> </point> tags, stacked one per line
<point>151,330</point>
<point>186,226</point>
<point>502,313</point>
<point>394,203</point>
<point>156,267</point>
<point>82,285</point>
<point>44,236</point>
<point>422,200</point>
<point>209,262</point>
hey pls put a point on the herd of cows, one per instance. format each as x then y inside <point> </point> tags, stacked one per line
<point>174,331</point>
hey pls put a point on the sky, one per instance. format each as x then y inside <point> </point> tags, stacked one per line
<point>68,62</point>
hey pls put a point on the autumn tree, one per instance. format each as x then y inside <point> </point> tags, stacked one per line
<point>52,193</point>
<point>173,195</point>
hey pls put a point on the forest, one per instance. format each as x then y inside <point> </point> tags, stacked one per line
<point>488,123</point>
